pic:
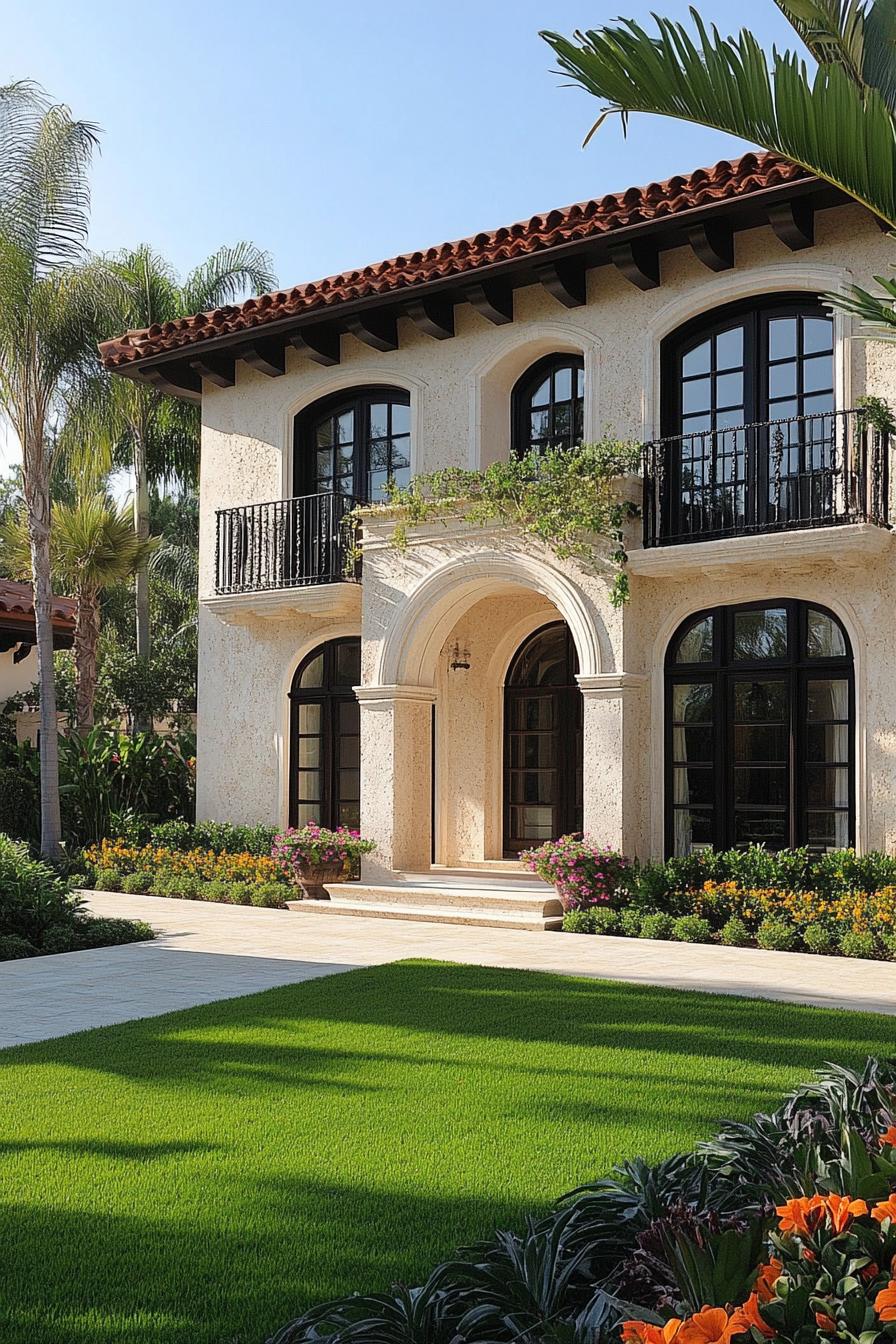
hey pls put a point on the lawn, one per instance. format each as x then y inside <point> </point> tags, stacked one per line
<point>200,1178</point>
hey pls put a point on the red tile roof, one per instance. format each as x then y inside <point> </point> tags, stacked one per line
<point>17,609</point>
<point>726,181</point>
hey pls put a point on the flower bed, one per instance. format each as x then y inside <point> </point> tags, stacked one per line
<point>780,1228</point>
<point>834,904</point>
<point>193,874</point>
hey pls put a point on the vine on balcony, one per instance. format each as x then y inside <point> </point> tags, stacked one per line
<point>567,498</point>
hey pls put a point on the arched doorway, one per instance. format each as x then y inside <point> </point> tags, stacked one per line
<point>325,737</point>
<point>542,740</point>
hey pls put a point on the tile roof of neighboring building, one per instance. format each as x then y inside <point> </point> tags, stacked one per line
<point>17,608</point>
<point>596,218</point>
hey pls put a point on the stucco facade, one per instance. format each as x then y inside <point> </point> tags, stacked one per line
<point>432,736</point>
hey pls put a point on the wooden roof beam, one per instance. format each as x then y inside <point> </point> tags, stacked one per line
<point>319,343</point>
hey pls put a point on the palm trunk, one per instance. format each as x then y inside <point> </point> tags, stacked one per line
<point>87,632</point>
<point>141,585</point>
<point>37,498</point>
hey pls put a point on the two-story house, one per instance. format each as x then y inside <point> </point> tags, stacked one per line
<point>472,694</point>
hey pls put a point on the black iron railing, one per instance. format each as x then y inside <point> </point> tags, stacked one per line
<point>288,543</point>
<point>812,471</point>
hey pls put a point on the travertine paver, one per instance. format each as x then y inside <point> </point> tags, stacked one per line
<point>207,952</point>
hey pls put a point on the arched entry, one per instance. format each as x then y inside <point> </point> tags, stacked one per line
<point>325,737</point>
<point>542,740</point>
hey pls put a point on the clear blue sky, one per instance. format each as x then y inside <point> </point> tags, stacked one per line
<point>337,132</point>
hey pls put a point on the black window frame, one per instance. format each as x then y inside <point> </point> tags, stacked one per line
<point>526,386</point>
<point>331,695</point>
<point>722,671</point>
<point>358,400</point>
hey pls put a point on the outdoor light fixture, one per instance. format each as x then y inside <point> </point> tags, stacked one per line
<point>459,658</point>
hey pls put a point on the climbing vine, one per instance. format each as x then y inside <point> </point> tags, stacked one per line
<point>565,497</point>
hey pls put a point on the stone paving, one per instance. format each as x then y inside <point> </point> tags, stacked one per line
<point>207,952</point>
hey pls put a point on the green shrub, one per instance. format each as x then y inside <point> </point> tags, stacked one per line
<point>13,948</point>
<point>819,939</point>
<point>91,931</point>
<point>33,898</point>
<point>734,933</point>
<point>214,891</point>
<point>776,935</point>
<point>578,921</point>
<point>858,945</point>
<point>136,884</point>
<point>657,925</point>
<point>107,879</point>
<point>62,938</point>
<point>604,920</point>
<point>273,895</point>
<point>19,804</point>
<point>630,922</point>
<point>219,836</point>
<point>692,929</point>
<point>179,885</point>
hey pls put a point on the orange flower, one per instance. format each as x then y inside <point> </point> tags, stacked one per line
<point>641,1332</point>
<point>885,1302</point>
<point>750,1315</point>
<point>824,1322</point>
<point>888,1138</point>
<point>842,1210</point>
<point>712,1325</point>
<point>768,1276</point>
<point>804,1215</point>
<point>886,1209</point>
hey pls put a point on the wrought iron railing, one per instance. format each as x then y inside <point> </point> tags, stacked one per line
<point>812,471</point>
<point>287,543</point>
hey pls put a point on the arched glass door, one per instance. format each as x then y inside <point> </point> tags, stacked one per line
<point>542,740</point>
<point>325,737</point>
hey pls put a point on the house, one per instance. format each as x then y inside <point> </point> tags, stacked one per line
<point>473,694</point>
<point>18,655</point>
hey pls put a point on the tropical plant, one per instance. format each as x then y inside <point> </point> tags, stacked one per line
<point>50,297</point>
<point>839,121</point>
<point>120,422</point>
<point>92,547</point>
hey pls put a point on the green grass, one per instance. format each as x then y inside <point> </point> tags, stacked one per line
<point>203,1177</point>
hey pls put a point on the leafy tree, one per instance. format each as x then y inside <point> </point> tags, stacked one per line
<point>839,121</point>
<point>93,546</point>
<point>49,299</point>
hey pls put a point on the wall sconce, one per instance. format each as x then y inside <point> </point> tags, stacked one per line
<point>458,658</point>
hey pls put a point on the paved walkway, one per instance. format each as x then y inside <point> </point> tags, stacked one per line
<point>207,952</point>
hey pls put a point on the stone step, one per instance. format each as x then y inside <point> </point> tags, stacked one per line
<point>476,917</point>
<point>487,873</point>
<point>537,902</point>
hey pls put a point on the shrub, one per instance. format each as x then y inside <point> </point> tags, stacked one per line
<point>91,931</point>
<point>33,898</point>
<point>578,921</point>
<point>776,935</point>
<point>657,925</point>
<point>240,893</point>
<point>691,929</point>
<point>583,873</point>
<point>630,922</point>
<point>136,884</point>
<point>858,945</point>
<point>220,837</point>
<point>270,895</point>
<point>604,920</point>
<point>213,891</point>
<point>19,804</point>
<point>819,939</point>
<point>194,865</point>
<point>13,948</point>
<point>107,879</point>
<point>734,933</point>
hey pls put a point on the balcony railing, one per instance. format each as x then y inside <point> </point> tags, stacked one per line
<point>812,471</point>
<point>288,543</point>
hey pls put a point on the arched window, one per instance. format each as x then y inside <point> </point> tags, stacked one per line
<point>767,365</point>
<point>352,443</point>
<point>325,737</point>
<point>759,729</point>
<point>542,740</point>
<point>548,405</point>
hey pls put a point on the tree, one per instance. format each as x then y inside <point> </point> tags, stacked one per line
<point>135,425</point>
<point>49,298</point>
<point>93,546</point>
<point>839,122</point>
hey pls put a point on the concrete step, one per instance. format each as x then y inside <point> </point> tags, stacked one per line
<point>537,902</point>
<point>487,874</point>
<point>490,918</point>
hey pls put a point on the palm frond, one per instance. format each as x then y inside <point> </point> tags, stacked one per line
<point>851,33</point>
<point>226,275</point>
<point>828,124</point>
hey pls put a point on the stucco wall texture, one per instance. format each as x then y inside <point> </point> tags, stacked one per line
<point>489,588</point>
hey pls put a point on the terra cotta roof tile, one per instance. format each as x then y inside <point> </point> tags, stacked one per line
<point>17,604</point>
<point>727,180</point>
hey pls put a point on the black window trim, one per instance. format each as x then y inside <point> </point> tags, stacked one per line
<point>525,386</point>
<point>357,399</point>
<point>329,695</point>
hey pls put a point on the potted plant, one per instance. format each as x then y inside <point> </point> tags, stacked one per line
<point>312,855</point>
<point>584,874</point>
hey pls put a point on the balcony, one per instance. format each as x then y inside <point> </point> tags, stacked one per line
<point>778,476</point>
<point>277,558</point>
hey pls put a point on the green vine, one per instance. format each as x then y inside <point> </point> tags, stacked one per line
<point>564,497</point>
<point>876,412</point>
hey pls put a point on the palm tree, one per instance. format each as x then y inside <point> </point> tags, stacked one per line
<point>839,122</point>
<point>135,425</point>
<point>49,298</point>
<point>93,546</point>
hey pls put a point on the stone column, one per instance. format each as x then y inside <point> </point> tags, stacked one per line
<point>396,778</point>
<point>616,761</point>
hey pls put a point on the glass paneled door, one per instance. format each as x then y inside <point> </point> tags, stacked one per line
<point>325,741</point>
<point>542,741</point>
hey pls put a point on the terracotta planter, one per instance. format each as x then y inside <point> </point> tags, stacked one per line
<point>311,877</point>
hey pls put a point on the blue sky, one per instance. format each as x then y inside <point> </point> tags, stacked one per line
<point>339,133</point>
